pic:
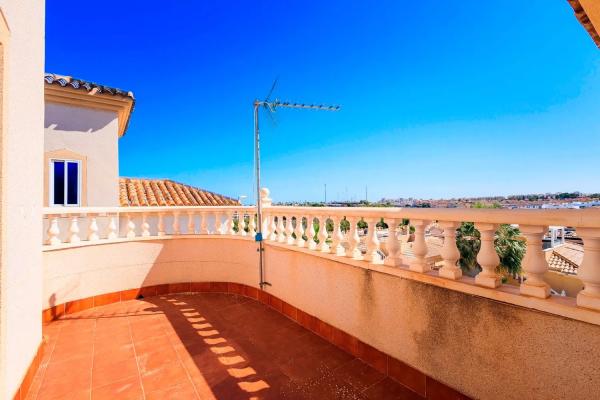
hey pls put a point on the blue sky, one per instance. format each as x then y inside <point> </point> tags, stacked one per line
<point>439,99</point>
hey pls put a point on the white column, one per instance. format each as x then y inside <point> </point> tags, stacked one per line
<point>145,225</point>
<point>241,223</point>
<point>392,244</point>
<point>266,226</point>
<point>130,227</point>
<point>589,272</point>
<point>353,240</point>
<point>310,232</point>
<point>280,229</point>
<point>534,263</point>
<point>450,253</point>
<point>252,224</point>
<point>323,235</point>
<point>176,226</point>
<point>161,224</point>
<point>298,231</point>
<point>218,223</point>
<point>337,237</point>
<point>112,228</point>
<point>74,230</point>
<point>289,229</point>
<point>53,230</point>
<point>419,247</point>
<point>203,223</point>
<point>372,241</point>
<point>191,226</point>
<point>229,223</point>
<point>273,235</point>
<point>487,257</point>
<point>93,228</point>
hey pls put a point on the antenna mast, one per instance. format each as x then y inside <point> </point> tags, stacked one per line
<point>271,107</point>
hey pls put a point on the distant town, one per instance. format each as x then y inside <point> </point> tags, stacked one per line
<point>574,200</point>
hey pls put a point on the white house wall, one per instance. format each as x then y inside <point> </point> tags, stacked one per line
<point>92,133</point>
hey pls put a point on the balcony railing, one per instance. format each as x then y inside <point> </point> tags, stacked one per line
<point>284,226</point>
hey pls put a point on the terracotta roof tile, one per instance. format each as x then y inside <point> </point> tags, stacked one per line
<point>165,192</point>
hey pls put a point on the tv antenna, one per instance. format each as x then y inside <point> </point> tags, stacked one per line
<point>271,107</point>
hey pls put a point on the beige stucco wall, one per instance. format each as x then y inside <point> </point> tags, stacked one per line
<point>486,349</point>
<point>92,133</point>
<point>20,269</point>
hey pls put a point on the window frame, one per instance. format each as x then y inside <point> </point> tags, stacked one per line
<point>65,161</point>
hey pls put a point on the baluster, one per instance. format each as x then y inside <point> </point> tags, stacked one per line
<point>218,223</point>
<point>145,225</point>
<point>266,226</point>
<point>273,236</point>
<point>130,227</point>
<point>392,244</point>
<point>419,247</point>
<point>353,240</point>
<point>160,226</point>
<point>299,230</point>
<point>589,272</point>
<point>252,224</point>
<point>176,226</point>
<point>229,223</point>
<point>241,223</point>
<point>323,235</point>
<point>337,237</point>
<point>203,223</point>
<point>372,240</point>
<point>310,232</point>
<point>534,263</point>
<point>191,225</point>
<point>280,230</point>
<point>74,230</point>
<point>487,257</point>
<point>93,229</point>
<point>112,228</point>
<point>290,229</point>
<point>53,231</point>
<point>449,252</point>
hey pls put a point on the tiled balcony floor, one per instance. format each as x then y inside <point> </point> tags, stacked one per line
<point>202,346</point>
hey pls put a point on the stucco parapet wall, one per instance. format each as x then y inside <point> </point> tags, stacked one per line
<point>556,305</point>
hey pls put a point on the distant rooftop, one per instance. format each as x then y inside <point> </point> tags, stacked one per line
<point>165,192</point>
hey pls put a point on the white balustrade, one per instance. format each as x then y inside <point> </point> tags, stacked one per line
<point>92,229</point>
<point>252,225</point>
<point>53,231</point>
<point>241,224</point>
<point>112,228</point>
<point>323,235</point>
<point>290,229</point>
<point>534,263</point>
<point>204,223</point>
<point>372,240</point>
<point>176,226</point>
<point>310,232</point>
<point>280,229</point>
<point>191,225</point>
<point>589,272</point>
<point>218,223</point>
<point>487,258</point>
<point>273,235</point>
<point>419,247</point>
<point>266,227</point>
<point>160,226</point>
<point>353,240</point>
<point>74,230</point>
<point>299,232</point>
<point>130,227</point>
<point>392,244</point>
<point>337,237</point>
<point>229,223</point>
<point>145,225</point>
<point>450,253</point>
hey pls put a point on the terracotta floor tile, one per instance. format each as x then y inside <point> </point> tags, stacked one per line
<point>125,389</point>
<point>105,374</point>
<point>163,376</point>
<point>209,345</point>
<point>182,391</point>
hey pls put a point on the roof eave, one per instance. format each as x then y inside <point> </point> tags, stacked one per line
<point>583,13</point>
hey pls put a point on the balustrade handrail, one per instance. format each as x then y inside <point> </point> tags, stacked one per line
<point>148,209</point>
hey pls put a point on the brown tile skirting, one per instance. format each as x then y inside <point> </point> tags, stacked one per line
<point>406,375</point>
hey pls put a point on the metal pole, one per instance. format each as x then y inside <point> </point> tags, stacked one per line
<point>258,200</point>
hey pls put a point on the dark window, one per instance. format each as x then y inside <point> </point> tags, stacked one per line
<point>72,183</point>
<point>59,182</point>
